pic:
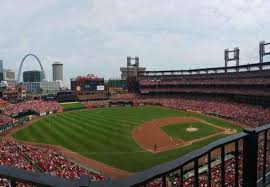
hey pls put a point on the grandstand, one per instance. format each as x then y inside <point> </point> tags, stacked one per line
<point>207,93</point>
<point>245,83</point>
<point>223,95</point>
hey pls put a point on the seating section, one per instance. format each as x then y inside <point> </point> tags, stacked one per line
<point>95,104</point>
<point>123,97</point>
<point>94,95</point>
<point>236,91</point>
<point>55,164</point>
<point>244,113</point>
<point>42,160</point>
<point>230,85</point>
<point>246,81</point>
<point>4,119</point>
<point>37,106</point>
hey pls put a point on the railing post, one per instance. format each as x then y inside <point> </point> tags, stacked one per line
<point>236,166</point>
<point>164,181</point>
<point>209,174</point>
<point>182,176</point>
<point>222,166</point>
<point>250,152</point>
<point>196,173</point>
<point>84,181</point>
<point>13,183</point>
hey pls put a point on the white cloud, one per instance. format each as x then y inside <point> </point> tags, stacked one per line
<point>95,36</point>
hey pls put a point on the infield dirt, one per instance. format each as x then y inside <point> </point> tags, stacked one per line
<point>150,137</point>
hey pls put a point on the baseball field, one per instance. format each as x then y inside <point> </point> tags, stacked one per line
<point>129,138</point>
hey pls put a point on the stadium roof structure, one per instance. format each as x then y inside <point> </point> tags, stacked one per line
<point>229,69</point>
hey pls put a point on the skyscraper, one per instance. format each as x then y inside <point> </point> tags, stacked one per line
<point>9,75</point>
<point>33,76</point>
<point>57,69</point>
<point>1,71</point>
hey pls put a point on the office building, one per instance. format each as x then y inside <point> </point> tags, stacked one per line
<point>57,69</point>
<point>1,71</point>
<point>33,76</point>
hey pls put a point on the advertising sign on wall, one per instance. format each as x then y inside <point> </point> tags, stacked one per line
<point>100,88</point>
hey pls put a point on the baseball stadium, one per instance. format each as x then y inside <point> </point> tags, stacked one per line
<point>180,128</point>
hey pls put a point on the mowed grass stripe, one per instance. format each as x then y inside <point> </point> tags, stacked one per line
<point>73,140</point>
<point>53,133</point>
<point>85,134</point>
<point>78,137</point>
<point>37,132</point>
<point>98,134</point>
<point>105,134</point>
<point>56,133</point>
<point>114,129</point>
<point>108,134</point>
<point>96,125</point>
<point>101,122</point>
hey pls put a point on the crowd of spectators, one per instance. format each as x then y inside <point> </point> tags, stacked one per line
<point>42,160</point>
<point>55,163</point>
<point>123,96</point>
<point>9,156</point>
<point>5,119</point>
<point>98,95</point>
<point>95,104</point>
<point>210,90</point>
<point>3,103</point>
<point>37,106</point>
<point>237,81</point>
<point>243,113</point>
<point>255,86</point>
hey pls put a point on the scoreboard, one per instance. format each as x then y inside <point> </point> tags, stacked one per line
<point>87,84</point>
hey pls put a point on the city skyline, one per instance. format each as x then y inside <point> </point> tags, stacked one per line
<point>97,36</point>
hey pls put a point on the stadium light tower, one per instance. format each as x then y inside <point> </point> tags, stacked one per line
<point>262,51</point>
<point>132,72</point>
<point>236,54</point>
<point>133,67</point>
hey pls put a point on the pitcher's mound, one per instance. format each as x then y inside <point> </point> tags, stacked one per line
<point>192,129</point>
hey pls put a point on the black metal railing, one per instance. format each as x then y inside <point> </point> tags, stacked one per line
<point>238,160</point>
<point>157,173</point>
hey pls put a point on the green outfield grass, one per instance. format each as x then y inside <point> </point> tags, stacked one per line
<point>105,134</point>
<point>179,130</point>
<point>72,106</point>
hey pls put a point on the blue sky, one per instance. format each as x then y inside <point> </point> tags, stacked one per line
<point>96,36</point>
